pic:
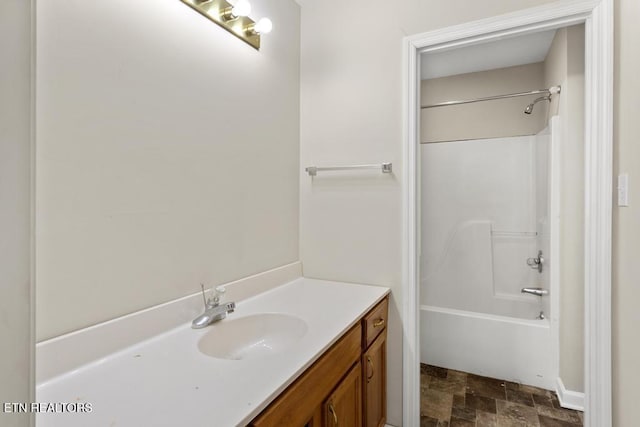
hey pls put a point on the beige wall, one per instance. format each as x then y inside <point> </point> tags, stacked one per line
<point>351,93</point>
<point>351,230</point>
<point>366,83</point>
<point>564,65</point>
<point>490,119</point>
<point>555,68</point>
<point>626,220</point>
<point>167,155</point>
<point>16,381</point>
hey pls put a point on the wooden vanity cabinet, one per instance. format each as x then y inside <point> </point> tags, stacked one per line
<point>374,376</point>
<point>374,323</point>
<point>343,407</point>
<point>298,405</point>
<point>345,387</point>
<point>374,366</point>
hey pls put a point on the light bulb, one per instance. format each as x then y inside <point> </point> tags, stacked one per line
<point>263,26</point>
<point>241,8</point>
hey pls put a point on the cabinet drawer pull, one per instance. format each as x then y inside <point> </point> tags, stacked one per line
<point>333,412</point>
<point>379,322</point>
<point>370,363</point>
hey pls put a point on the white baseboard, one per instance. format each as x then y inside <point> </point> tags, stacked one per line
<point>569,399</point>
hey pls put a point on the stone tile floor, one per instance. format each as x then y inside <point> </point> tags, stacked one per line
<point>457,399</point>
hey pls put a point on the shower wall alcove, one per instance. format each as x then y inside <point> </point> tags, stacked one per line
<point>500,183</point>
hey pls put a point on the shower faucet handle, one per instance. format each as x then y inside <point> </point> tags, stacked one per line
<point>536,263</point>
<point>539,292</point>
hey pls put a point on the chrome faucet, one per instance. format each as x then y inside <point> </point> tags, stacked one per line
<point>213,309</point>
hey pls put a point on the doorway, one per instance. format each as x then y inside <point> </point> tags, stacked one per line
<point>597,199</point>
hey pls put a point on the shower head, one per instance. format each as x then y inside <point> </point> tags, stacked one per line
<point>529,108</point>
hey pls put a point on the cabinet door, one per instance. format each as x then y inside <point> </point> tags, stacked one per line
<point>316,420</point>
<point>343,408</point>
<point>374,366</point>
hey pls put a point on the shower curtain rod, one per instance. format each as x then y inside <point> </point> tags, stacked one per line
<point>551,91</point>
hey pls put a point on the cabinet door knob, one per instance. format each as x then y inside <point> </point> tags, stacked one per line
<point>333,412</point>
<point>370,363</point>
<point>379,322</point>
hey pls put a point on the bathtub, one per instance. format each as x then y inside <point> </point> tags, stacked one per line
<point>501,347</point>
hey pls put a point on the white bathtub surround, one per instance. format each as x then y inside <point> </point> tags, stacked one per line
<point>483,344</point>
<point>480,225</point>
<point>488,206</point>
<point>168,371</point>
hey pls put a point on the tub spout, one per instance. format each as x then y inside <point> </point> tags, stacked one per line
<point>535,291</point>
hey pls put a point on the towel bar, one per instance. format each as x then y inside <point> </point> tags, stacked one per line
<point>384,167</point>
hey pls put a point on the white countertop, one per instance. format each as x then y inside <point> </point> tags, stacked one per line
<point>166,381</point>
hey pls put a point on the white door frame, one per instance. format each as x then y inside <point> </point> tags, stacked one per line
<point>597,15</point>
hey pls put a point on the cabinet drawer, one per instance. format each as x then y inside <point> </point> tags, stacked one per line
<point>374,322</point>
<point>297,404</point>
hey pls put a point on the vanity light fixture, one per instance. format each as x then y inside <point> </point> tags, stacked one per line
<point>233,18</point>
<point>241,8</point>
<point>263,26</point>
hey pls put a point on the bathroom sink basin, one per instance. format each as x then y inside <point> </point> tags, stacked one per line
<point>252,336</point>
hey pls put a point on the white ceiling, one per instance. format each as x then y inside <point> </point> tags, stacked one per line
<point>503,53</point>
